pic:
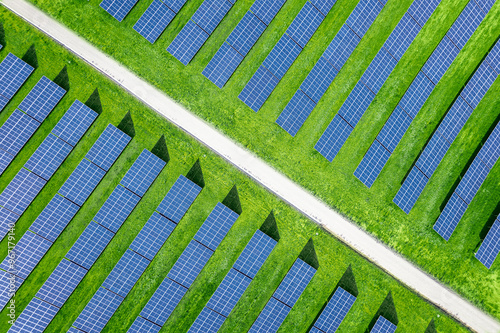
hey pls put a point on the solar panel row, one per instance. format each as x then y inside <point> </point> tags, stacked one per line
<point>335,311</point>
<point>13,73</point>
<point>154,21</point>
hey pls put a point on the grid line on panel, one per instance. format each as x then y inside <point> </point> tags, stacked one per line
<point>16,131</point>
<point>42,99</point>
<point>394,129</point>
<point>383,326</point>
<point>335,311</point>
<point>223,65</point>
<point>490,152</point>
<point>143,172</point>
<point>229,292</point>
<point>341,47</point>
<point>5,159</point>
<point>208,321</point>
<point>465,25</point>
<point>416,95</point>
<point>74,123</point>
<point>108,147</point>
<point>455,119</point>
<point>324,6</point>
<point>282,56</point>
<point>295,113</point>
<point>216,226</point>
<point>372,164</point>
<point>402,36</point>
<point>294,283</point>
<point>187,43</point>
<point>363,15</point>
<point>117,207</point>
<point>178,199</point>
<point>126,273</point>
<point>189,265</point>
<point>472,180</point>
<point>421,11</point>
<point>143,325</point>
<point>152,236</point>
<point>9,284</point>
<point>319,79</point>
<point>13,73</point>
<point>254,254</point>
<point>379,70</point>
<point>432,154</point>
<point>21,191</point>
<point>258,89</point>
<point>356,104</point>
<point>54,218</point>
<point>154,21</point>
<point>246,33</point>
<point>7,221</point>
<point>174,5</point>
<point>333,138</point>
<point>440,60</point>
<point>210,14</point>
<point>305,24</point>
<point>410,190</point>
<point>266,10</point>
<point>48,157</point>
<point>478,85</point>
<point>118,8</point>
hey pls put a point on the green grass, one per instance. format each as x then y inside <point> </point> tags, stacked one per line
<point>295,230</point>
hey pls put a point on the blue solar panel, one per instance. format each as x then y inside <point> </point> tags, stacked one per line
<point>116,208</point>
<point>98,311</point>
<point>89,245</point>
<point>421,10</point>
<point>416,95</point>
<point>42,99</point>
<point>152,236</point>
<point>118,8</point>
<point>363,16</point>
<point>16,131</point>
<point>187,43</point>
<point>190,264</point>
<point>28,252</point>
<point>126,273</point>
<point>489,249</point>
<point>210,14</point>
<point>35,317</point>
<point>163,302</point>
<point>333,138</point>
<point>335,311</point>
<point>479,84</point>
<point>271,317</point>
<point>490,152</point>
<point>485,4</point>
<point>246,33</point>
<point>255,254</point>
<point>493,58</point>
<point>383,326</point>
<point>450,216</point>
<point>82,182</point>
<point>372,164</point>
<point>175,5</point>
<point>379,70</point>
<point>394,129</point>
<point>410,191</point>
<point>266,10</point>
<point>178,199</point>
<point>13,73</point>
<point>207,322</point>
<point>472,181</point>
<point>294,283</point>
<point>341,47</point>
<point>402,36</point>
<point>21,191</point>
<point>356,104</point>
<point>455,119</point>
<point>216,226</point>
<point>440,60</point>
<point>432,154</point>
<point>223,65</point>
<point>142,325</point>
<point>143,172</point>
<point>54,218</point>
<point>7,221</point>
<point>48,157</point>
<point>465,25</point>
<point>61,283</point>
<point>305,24</point>
<point>259,88</point>
<point>3,102</point>
<point>229,292</point>
<point>295,113</point>
<point>324,6</point>
<point>319,79</point>
<point>9,284</point>
<point>108,147</point>
<point>282,56</point>
<point>75,122</point>
<point>154,21</point>
<point>5,159</point>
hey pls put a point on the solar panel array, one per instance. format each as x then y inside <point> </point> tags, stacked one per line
<point>418,92</point>
<point>42,99</point>
<point>188,266</point>
<point>13,73</point>
<point>469,185</point>
<point>382,325</point>
<point>335,311</point>
<point>284,298</point>
<point>284,53</point>
<point>194,34</point>
<point>234,284</point>
<point>154,21</point>
<point>374,77</point>
<point>446,133</point>
<point>118,8</point>
<point>489,249</point>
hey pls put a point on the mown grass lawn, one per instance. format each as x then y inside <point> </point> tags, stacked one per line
<point>414,313</point>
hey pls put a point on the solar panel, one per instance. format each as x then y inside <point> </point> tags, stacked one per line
<point>379,70</point>
<point>410,190</point>
<point>259,88</point>
<point>295,113</point>
<point>489,249</point>
<point>440,60</point>
<point>282,56</point>
<point>5,159</point>
<point>7,221</point>
<point>479,84</point>
<point>465,25</point>
<point>142,325</point>
<point>48,157</point>
<point>98,311</point>
<point>178,199</point>
<point>27,253</point>
<point>294,283</point>
<point>13,73</point>
<point>42,99</point>
<point>116,208</point>
<point>402,36</point>
<point>486,4</point>
<point>75,122</point>
<point>175,5</point>
<point>472,181</point>
<point>216,226</point>
<point>210,14</point>
<point>108,147</point>
<point>266,10</point>
<point>188,42</point>
<point>54,218</point>
<point>229,292</point>
<point>89,245</point>
<point>394,129</point>
<point>61,283</point>
<point>255,254</point>
<point>335,311</point>
<point>246,33</point>
<point>152,236</point>
<point>3,102</point>
<point>223,65</point>
<point>324,6</point>
<point>207,322</point>
<point>363,16</point>
<point>118,8</point>
<point>493,58</point>
<point>455,119</point>
<point>490,152</point>
<point>319,79</point>
<point>271,317</point>
<point>432,154</point>
<point>383,326</point>
<point>356,104</point>
<point>450,216</point>
<point>333,138</point>
<point>416,95</point>
<point>190,264</point>
<point>372,164</point>
<point>305,24</point>
<point>126,273</point>
<point>163,302</point>
<point>143,172</point>
<point>35,317</point>
<point>21,191</point>
<point>9,284</point>
<point>421,11</point>
<point>82,182</point>
<point>341,47</point>
<point>154,21</point>
<point>16,131</point>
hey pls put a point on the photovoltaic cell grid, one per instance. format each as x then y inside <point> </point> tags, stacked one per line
<point>208,321</point>
<point>35,317</point>
<point>295,113</point>
<point>479,84</point>
<point>333,138</point>
<point>342,46</point>
<point>255,254</point>
<point>143,172</point>
<point>89,245</point>
<point>472,181</point>
<point>416,95</point>
<point>372,164</point>
<point>222,65</point>
<point>266,10</point>
<point>116,208</point>
<point>421,11</point>
<point>246,33</point>
<point>402,36</point>
<point>108,147</point>
<point>48,157</point>
<point>383,326</point>
<point>175,5</point>
<point>152,236</point>
<point>178,199</point>
<point>54,218</point>
<point>363,16</point>
<point>7,220</point>
<point>142,325</point>
<point>305,24</point>
<point>210,14</point>
<point>216,226</point>
<point>98,311</point>
<point>126,273</point>
<point>319,79</point>
<point>282,56</point>
<point>190,264</point>
<point>493,58</point>
<point>5,159</point>
<point>271,317</point>
<point>466,23</point>
<point>489,249</point>
<point>75,122</point>
<point>118,8</point>
<point>394,129</point>
<point>323,6</point>
<point>21,191</point>
<point>410,191</point>
<point>294,283</point>
<point>259,88</point>
<point>335,311</point>
<point>490,152</point>
<point>13,73</point>
<point>16,131</point>
<point>154,21</point>
<point>42,99</point>
<point>163,302</point>
<point>229,292</point>
<point>440,60</point>
<point>433,153</point>
<point>378,71</point>
<point>187,43</point>
<point>450,216</point>
<point>9,284</point>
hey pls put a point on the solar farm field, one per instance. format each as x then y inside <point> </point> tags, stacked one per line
<point>144,179</point>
